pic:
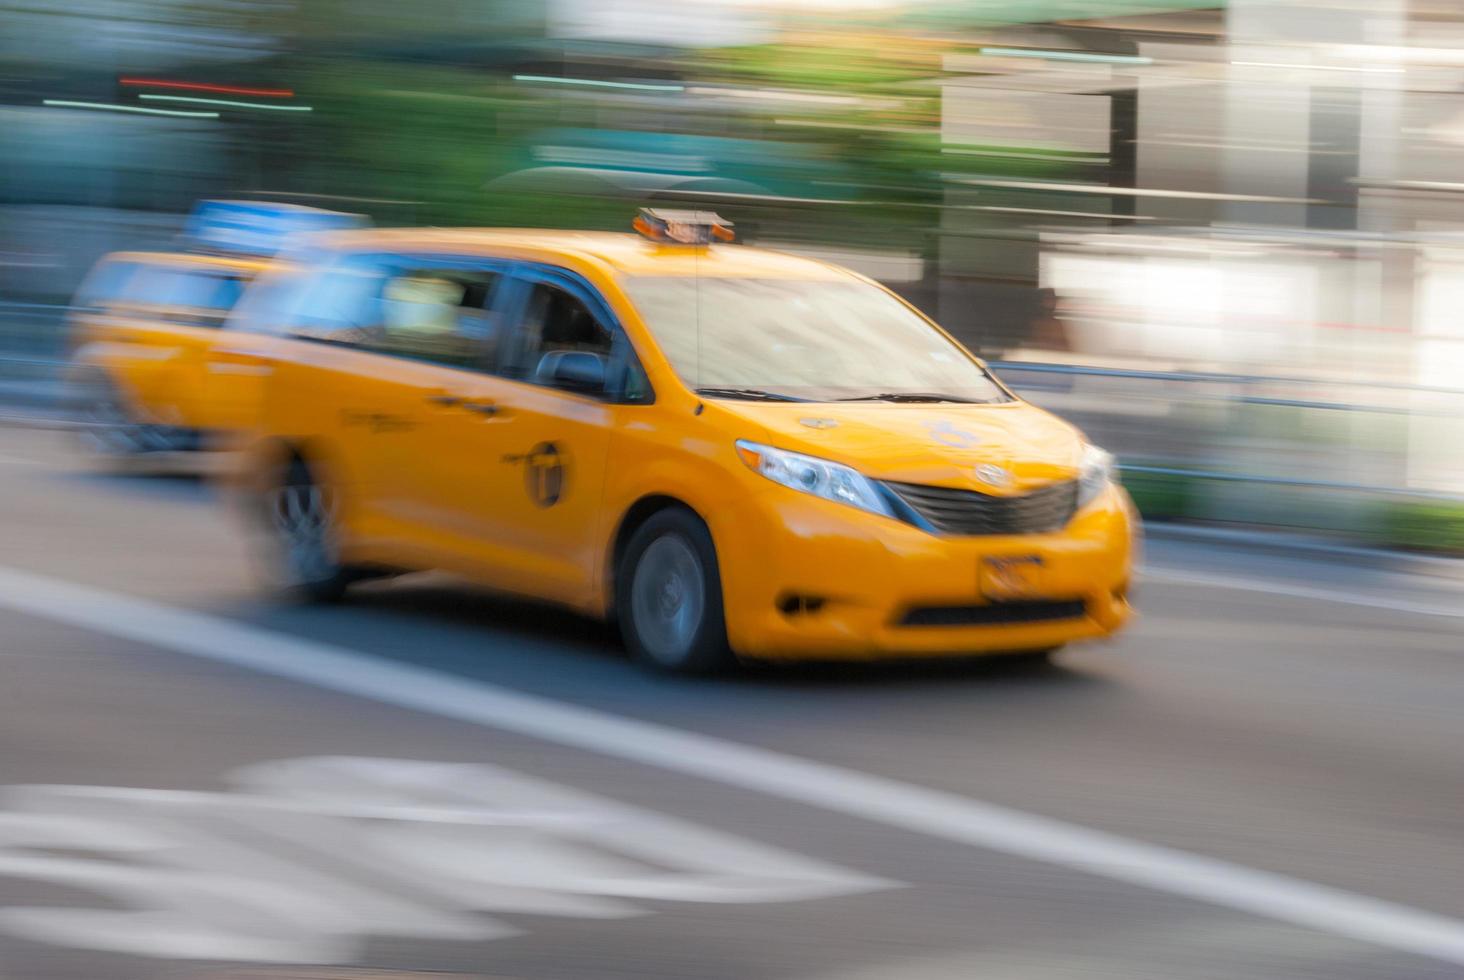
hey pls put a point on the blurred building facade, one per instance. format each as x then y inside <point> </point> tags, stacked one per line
<point>1257,189</point>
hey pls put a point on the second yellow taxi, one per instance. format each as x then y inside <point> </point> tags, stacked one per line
<point>143,325</point>
<point>728,450</point>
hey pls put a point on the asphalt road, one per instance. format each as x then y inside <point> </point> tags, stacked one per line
<point>1262,779</point>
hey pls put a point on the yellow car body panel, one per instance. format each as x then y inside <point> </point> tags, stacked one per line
<point>423,484</point>
<point>156,356</point>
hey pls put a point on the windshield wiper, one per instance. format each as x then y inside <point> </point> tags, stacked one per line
<point>915,396</point>
<point>751,394</point>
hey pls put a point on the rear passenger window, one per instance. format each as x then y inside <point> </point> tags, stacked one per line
<point>205,289</point>
<point>340,304</point>
<point>440,315</point>
<point>389,304</point>
<point>154,286</point>
<point>267,304</point>
<point>105,284</point>
<point>186,295</point>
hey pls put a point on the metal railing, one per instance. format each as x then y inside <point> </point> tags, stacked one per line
<point>1212,451</point>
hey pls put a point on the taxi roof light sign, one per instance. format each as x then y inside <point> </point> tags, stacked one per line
<point>683,227</point>
<point>259,227</point>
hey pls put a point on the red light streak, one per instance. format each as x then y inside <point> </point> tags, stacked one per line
<point>277,93</point>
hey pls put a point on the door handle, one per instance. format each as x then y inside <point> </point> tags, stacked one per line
<point>481,408</point>
<point>446,401</point>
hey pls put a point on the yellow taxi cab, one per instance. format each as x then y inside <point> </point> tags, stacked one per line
<point>732,452</point>
<point>143,323</point>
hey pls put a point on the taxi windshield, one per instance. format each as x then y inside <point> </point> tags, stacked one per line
<point>804,339</point>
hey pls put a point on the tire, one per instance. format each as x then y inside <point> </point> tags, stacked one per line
<point>668,596</point>
<point>301,561</point>
<point>110,434</point>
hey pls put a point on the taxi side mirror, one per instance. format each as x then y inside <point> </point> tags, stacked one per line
<point>573,370</point>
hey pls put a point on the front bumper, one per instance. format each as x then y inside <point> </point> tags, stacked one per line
<point>805,578</point>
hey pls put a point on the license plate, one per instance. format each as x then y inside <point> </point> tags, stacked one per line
<point>1006,577</point>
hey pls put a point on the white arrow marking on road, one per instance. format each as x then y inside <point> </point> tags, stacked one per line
<point>891,802</point>
<point>318,854</point>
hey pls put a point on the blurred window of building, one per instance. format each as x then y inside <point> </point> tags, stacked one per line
<point>690,23</point>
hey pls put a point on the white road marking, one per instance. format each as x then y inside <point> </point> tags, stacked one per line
<point>1146,950</point>
<point>1269,587</point>
<point>896,804</point>
<point>314,856</point>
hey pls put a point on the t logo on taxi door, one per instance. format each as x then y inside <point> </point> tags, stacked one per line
<point>544,474</point>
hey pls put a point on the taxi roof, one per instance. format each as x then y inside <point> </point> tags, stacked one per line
<point>212,260</point>
<point>623,254</point>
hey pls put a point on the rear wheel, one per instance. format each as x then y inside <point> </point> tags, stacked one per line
<point>109,432</point>
<point>301,537</point>
<point>669,596</point>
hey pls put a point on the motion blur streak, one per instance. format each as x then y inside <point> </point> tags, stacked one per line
<point>141,110</point>
<point>225,102</point>
<point>897,804</point>
<point>1126,648</point>
<point>1446,611</point>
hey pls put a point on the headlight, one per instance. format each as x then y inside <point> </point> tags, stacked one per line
<point>831,481</point>
<point>1094,474</point>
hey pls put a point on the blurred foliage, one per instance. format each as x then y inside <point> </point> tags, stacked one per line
<point>1420,525</point>
<point>957,14</point>
<point>420,142</point>
<point>1162,496</point>
<point>415,112</point>
<point>846,64</point>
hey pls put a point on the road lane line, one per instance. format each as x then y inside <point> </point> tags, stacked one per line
<point>1210,580</point>
<point>896,804</point>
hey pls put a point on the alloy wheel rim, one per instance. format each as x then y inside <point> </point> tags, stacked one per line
<point>109,431</point>
<point>668,598</point>
<point>302,514</point>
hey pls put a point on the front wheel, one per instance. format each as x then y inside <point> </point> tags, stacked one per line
<point>300,532</point>
<point>668,596</point>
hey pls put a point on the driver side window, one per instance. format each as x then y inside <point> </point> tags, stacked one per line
<point>560,339</point>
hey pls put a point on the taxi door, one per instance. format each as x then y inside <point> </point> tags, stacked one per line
<point>302,344</point>
<point>196,326</point>
<point>165,325</point>
<point>125,337</point>
<point>434,414</point>
<point>530,480</point>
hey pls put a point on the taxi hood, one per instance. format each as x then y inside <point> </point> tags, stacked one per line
<point>937,443</point>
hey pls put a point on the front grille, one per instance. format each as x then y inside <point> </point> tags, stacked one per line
<point>952,511</point>
<point>995,614</point>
